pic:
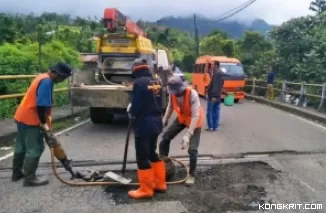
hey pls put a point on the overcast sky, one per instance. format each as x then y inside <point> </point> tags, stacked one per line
<point>273,11</point>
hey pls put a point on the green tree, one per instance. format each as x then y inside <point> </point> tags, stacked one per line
<point>318,6</point>
<point>218,44</point>
<point>211,45</point>
<point>252,47</point>
<point>301,48</point>
<point>224,35</point>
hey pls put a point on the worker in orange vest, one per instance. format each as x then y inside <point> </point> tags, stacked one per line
<point>185,102</point>
<point>33,117</point>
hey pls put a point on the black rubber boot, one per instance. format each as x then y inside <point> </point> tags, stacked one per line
<point>30,167</point>
<point>164,148</point>
<point>17,166</point>
<point>193,165</point>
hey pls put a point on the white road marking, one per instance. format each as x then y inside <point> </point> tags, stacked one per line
<point>72,127</point>
<point>309,122</point>
<point>6,156</point>
<point>306,184</point>
<point>5,148</point>
<point>56,134</point>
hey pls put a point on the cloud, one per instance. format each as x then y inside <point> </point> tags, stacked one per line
<point>273,11</point>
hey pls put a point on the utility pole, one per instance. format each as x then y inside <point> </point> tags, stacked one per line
<point>196,36</point>
<point>39,31</point>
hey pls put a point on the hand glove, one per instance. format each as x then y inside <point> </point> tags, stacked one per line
<point>45,127</point>
<point>185,141</point>
<point>164,122</point>
<point>128,107</point>
<point>50,139</point>
<point>130,116</point>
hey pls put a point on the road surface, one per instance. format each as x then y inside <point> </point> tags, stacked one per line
<point>264,174</point>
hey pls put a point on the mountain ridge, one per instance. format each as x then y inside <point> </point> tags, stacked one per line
<point>235,29</point>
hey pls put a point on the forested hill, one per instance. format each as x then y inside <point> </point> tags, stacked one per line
<point>206,26</point>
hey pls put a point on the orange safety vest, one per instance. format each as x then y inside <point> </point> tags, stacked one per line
<point>26,112</point>
<point>184,113</point>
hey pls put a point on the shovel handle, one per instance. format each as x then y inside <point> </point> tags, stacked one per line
<point>126,147</point>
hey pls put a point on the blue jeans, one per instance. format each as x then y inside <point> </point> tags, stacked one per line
<point>213,114</point>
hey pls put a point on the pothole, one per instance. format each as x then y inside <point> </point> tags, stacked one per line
<point>218,188</point>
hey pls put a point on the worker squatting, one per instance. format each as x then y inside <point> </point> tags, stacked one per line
<point>33,117</point>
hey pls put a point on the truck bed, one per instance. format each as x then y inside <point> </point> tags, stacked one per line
<point>109,96</point>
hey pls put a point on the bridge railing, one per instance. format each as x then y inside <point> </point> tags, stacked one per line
<point>13,88</point>
<point>297,93</point>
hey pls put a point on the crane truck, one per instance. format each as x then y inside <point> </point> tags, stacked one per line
<point>104,83</point>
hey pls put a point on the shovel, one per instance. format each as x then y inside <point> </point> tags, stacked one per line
<point>124,163</point>
<point>115,176</point>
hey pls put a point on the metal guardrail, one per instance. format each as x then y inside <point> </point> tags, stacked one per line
<point>25,77</point>
<point>17,77</point>
<point>302,91</point>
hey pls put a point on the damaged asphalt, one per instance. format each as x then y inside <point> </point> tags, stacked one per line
<point>263,174</point>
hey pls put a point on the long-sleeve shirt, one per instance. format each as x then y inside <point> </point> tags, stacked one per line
<point>214,89</point>
<point>44,98</point>
<point>195,109</point>
<point>146,107</point>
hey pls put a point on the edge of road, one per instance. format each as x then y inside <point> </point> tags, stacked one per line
<point>302,112</point>
<point>5,138</point>
<point>57,133</point>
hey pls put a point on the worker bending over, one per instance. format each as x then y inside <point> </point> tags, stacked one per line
<point>184,101</point>
<point>146,109</point>
<point>33,118</point>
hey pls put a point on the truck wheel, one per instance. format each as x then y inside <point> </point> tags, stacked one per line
<point>100,116</point>
<point>97,115</point>
<point>109,118</point>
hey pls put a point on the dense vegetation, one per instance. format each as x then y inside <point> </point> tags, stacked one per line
<point>297,48</point>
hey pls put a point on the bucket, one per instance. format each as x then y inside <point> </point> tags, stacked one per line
<point>229,100</point>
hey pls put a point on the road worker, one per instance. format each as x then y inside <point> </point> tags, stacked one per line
<point>33,118</point>
<point>146,111</point>
<point>185,102</point>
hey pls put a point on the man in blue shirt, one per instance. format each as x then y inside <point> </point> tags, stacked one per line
<point>270,83</point>
<point>33,118</point>
<point>44,93</point>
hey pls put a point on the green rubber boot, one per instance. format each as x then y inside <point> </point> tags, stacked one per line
<point>30,167</point>
<point>17,166</point>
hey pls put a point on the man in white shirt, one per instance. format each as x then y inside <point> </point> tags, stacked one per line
<point>185,102</point>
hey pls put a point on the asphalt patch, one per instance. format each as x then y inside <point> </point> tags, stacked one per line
<point>218,188</point>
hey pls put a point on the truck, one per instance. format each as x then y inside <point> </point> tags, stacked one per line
<point>104,83</point>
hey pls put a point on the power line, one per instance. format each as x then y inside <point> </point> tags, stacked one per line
<point>236,8</point>
<point>237,11</point>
